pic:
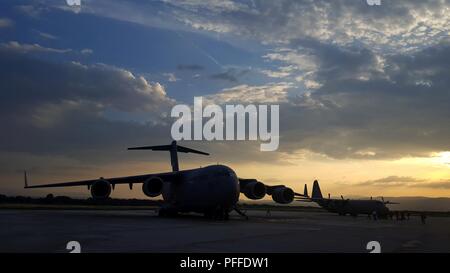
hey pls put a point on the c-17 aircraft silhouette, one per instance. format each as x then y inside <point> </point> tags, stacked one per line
<point>345,206</point>
<point>213,190</point>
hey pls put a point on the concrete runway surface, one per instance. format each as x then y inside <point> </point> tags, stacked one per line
<point>143,231</point>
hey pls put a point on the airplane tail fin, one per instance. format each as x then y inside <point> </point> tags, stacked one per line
<point>316,193</point>
<point>173,148</point>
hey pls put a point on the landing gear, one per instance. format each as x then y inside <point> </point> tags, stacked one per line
<point>219,214</point>
<point>241,213</point>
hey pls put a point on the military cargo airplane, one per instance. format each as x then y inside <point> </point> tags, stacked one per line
<point>213,190</point>
<point>345,206</point>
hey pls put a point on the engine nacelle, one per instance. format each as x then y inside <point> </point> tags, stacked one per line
<point>153,186</point>
<point>283,195</point>
<point>101,189</point>
<point>254,190</point>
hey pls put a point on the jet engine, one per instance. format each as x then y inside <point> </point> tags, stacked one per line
<point>283,195</point>
<point>254,190</point>
<point>101,189</point>
<point>153,186</point>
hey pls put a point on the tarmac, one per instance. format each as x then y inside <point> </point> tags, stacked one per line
<point>24,230</point>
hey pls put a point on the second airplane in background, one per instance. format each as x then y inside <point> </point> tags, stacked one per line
<point>345,206</point>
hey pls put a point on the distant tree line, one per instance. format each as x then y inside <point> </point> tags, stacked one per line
<point>50,199</point>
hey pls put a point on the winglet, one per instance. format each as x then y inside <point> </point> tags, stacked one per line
<point>305,191</point>
<point>25,179</point>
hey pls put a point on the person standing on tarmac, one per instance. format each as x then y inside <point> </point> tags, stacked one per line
<point>423,217</point>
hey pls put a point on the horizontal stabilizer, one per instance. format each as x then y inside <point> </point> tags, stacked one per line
<point>180,149</point>
<point>174,149</point>
<point>189,150</point>
<point>153,148</point>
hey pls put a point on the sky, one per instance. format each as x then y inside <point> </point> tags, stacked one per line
<point>363,90</point>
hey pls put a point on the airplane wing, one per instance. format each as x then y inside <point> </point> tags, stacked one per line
<point>270,190</point>
<point>169,176</point>
<point>244,181</point>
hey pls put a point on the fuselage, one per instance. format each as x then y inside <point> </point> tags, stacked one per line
<point>354,207</point>
<point>203,189</point>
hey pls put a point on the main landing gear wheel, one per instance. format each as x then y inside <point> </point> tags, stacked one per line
<point>219,214</point>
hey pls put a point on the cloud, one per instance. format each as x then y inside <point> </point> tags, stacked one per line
<point>87,51</point>
<point>213,5</point>
<point>406,181</point>
<point>190,67</point>
<point>29,48</point>
<point>171,77</point>
<point>33,11</point>
<point>360,105</point>
<point>74,117</point>
<point>45,99</point>
<point>282,72</point>
<point>231,75</point>
<point>46,35</point>
<point>366,110</point>
<point>247,94</point>
<point>14,46</point>
<point>39,82</point>
<point>391,181</point>
<point>6,22</point>
<point>87,114</point>
<point>435,185</point>
<point>357,81</point>
<point>395,25</point>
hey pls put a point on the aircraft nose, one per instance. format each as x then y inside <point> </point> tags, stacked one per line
<point>231,191</point>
